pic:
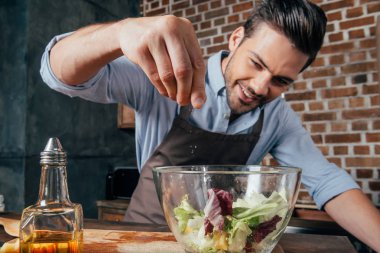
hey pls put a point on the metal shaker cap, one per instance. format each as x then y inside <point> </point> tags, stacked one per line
<point>53,153</point>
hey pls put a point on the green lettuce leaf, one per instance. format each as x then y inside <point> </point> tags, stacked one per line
<point>238,236</point>
<point>184,212</point>
<point>256,206</point>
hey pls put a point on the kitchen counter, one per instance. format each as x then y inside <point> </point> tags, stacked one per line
<point>301,235</point>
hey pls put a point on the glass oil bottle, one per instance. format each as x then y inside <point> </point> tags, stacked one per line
<point>54,224</point>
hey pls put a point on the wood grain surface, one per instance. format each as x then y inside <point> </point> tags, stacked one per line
<point>96,240</point>
<point>134,242</point>
<point>118,237</point>
<point>115,241</point>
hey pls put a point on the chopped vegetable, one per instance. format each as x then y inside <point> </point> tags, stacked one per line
<point>227,226</point>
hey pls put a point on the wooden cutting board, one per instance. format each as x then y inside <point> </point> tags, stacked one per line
<point>105,241</point>
<point>116,241</point>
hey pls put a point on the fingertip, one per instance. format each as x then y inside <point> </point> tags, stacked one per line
<point>163,93</point>
<point>198,102</point>
<point>183,100</point>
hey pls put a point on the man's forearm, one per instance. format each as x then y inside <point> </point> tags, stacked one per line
<point>165,48</point>
<point>78,57</point>
<point>354,212</point>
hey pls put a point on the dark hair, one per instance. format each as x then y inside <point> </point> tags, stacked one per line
<point>301,21</point>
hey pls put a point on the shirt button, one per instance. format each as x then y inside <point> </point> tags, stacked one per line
<point>226,116</point>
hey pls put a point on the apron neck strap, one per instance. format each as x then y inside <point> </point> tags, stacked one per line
<point>185,111</point>
<point>259,123</point>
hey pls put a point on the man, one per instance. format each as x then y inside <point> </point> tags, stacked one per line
<point>155,66</point>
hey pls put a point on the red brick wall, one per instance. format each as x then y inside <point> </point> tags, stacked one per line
<point>337,97</point>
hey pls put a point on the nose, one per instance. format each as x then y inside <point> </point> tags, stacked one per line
<point>260,84</point>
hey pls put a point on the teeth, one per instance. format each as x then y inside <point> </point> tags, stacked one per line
<point>246,92</point>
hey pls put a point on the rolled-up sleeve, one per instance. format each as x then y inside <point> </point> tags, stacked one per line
<point>53,82</point>
<point>322,179</point>
<point>120,81</point>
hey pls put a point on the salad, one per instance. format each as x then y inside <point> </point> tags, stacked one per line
<point>226,226</point>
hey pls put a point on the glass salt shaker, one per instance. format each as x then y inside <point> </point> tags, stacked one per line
<point>54,224</point>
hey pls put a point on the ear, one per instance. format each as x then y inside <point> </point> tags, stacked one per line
<point>236,37</point>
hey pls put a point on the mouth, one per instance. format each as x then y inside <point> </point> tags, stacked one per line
<point>246,96</point>
<point>246,92</point>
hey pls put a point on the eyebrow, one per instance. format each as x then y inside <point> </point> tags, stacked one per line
<point>290,80</point>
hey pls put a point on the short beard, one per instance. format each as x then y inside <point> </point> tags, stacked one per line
<point>242,107</point>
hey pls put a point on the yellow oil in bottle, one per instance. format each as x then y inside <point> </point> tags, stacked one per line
<point>52,242</point>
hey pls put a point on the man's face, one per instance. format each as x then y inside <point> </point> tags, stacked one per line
<point>260,68</point>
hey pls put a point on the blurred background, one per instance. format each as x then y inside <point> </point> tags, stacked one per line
<point>337,98</point>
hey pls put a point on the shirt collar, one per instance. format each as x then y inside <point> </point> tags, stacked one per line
<point>215,73</point>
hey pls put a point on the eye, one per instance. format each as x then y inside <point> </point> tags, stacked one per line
<point>257,65</point>
<point>280,82</point>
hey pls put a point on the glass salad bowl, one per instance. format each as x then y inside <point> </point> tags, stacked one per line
<point>237,208</point>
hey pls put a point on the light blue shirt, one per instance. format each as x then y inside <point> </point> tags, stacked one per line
<point>283,135</point>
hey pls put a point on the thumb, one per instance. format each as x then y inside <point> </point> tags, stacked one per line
<point>198,96</point>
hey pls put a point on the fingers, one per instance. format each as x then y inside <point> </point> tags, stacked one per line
<point>182,68</point>
<point>169,53</point>
<point>198,95</point>
<point>169,68</point>
<point>163,65</point>
<point>188,65</point>
<point>148,65</point>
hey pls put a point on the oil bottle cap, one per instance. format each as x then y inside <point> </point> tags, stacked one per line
<point>53,153</point>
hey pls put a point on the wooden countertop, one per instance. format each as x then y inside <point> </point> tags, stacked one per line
<point>332,241</point>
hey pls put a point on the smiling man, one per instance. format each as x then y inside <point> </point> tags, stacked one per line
<point>254,72</point>
<point>154,65</point>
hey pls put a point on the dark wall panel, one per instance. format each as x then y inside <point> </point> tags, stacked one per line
<point>13,102</point>
<point>13,84</point>
<point>30,112</point>
<point>12,182</point>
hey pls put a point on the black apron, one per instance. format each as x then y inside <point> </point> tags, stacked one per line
<point>187,145</point>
